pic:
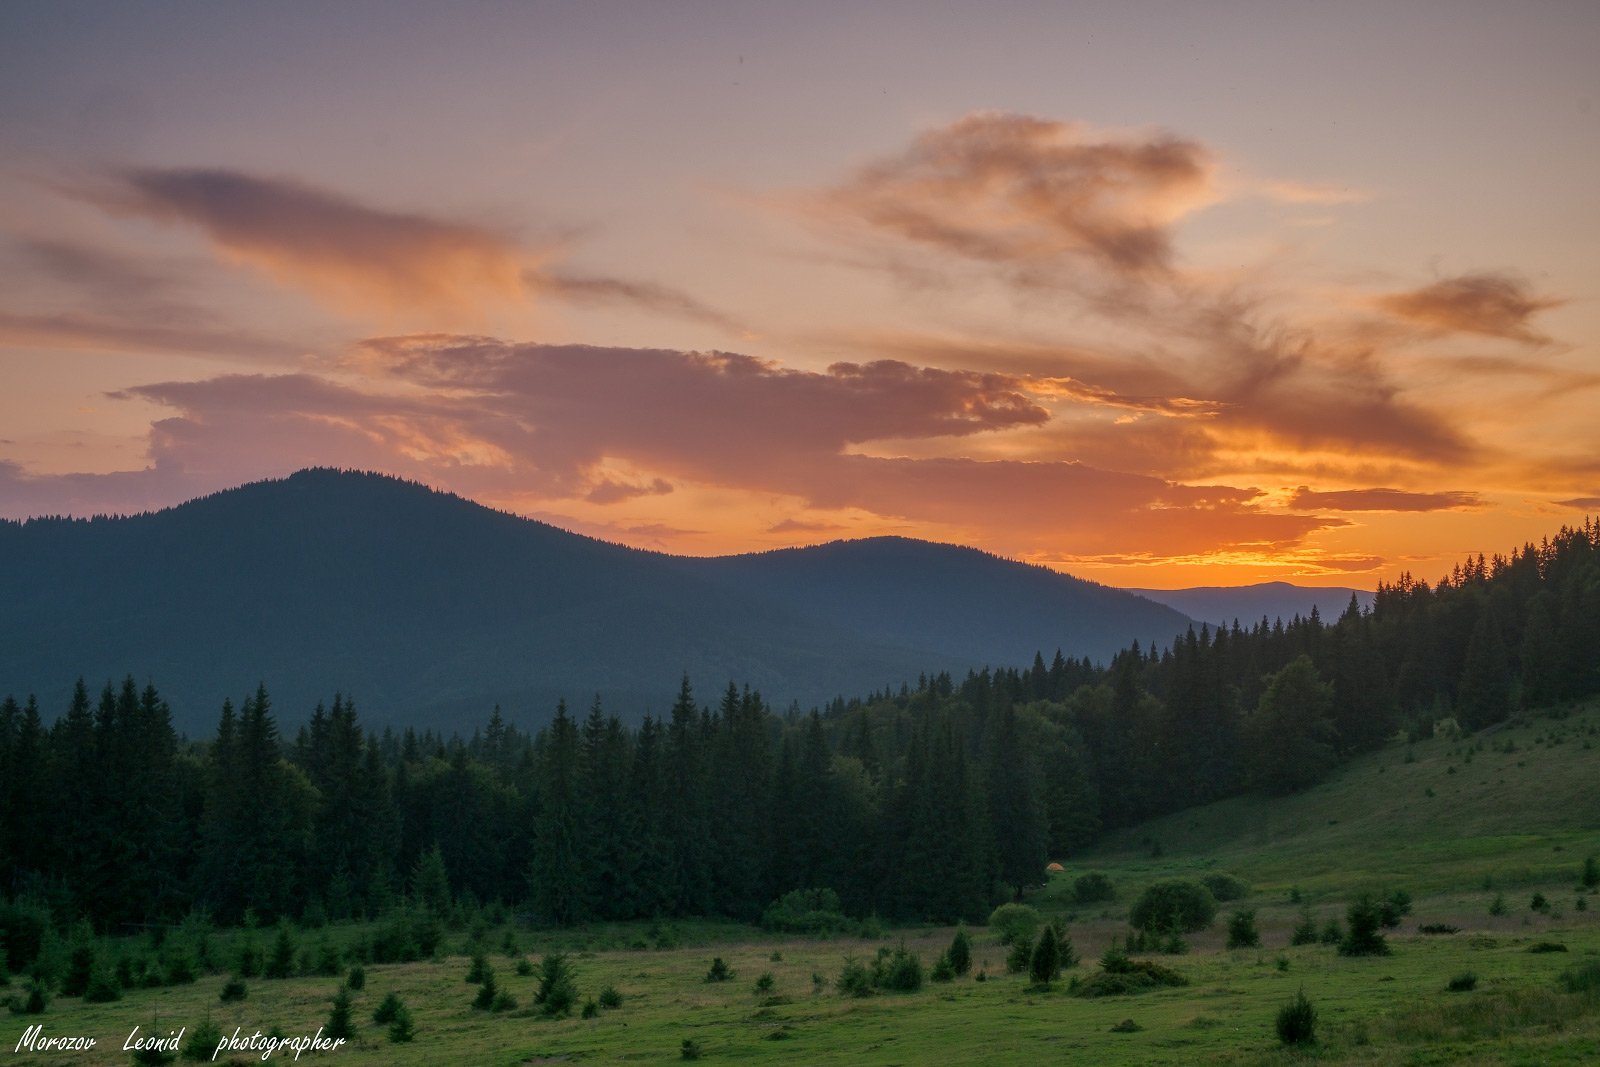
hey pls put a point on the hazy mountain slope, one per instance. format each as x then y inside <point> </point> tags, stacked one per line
<point>1249,603</point>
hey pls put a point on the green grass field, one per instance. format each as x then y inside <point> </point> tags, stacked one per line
<point>1456,823</point>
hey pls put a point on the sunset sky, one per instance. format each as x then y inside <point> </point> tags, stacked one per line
<point>1156,294</point>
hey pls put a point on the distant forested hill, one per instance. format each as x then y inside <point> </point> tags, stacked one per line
<point>429,609</point>
<point>1252,603</point>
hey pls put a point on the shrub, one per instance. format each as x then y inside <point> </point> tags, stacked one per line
<point>339,1019</point>
<point>1539,903</point>
<point>1175,906</point>
<point>203,1041</point>
<point>401,1028</point>
<point>1332,932</point>
<point>524,967</point>
<point>80,962</point>
<point>1014,922</point>
<point>280,964</point>
<point>610,998</point>
<point>1045,966</point>
<point>357,978</point>
<point>898,970</point>
<point>1393,908</point>
<point>558,990</point>
<point>23,926</point>
<point>249,963</point>
<point>486,992</point>
<point>1066,955</point>
<point>180,968</point>
<point>1242,929</point>
<point>765,983</point>
<point>1305,931</point>
<point>103,987</point>
<point>1092,888</point>
<point>1126,1026</point>
<point>942,970</point>
<point>1438,928</point>
<point>1465,982</point>
<point>503,1001</point>
<point>590,1009</point>
<point>1497,906</point>
<point>1121,975</point>
<point>690,1049</point>
<point>1584,978</point>
<point>233,990</point>
<point>1547,946</point>
<point>806,911</point>
<point>960,952</point>
<point>1591,871</point>
<point>719,971</point>
<point>1297,1021</point>
<point>328,960</point>
<point>480,968</point>
<point>391,1006</point>
<point>1018,958</point>
<point>1225,887</point>
<point>1364,917</point>
<point>35,1002</point>
<point>854,980</point>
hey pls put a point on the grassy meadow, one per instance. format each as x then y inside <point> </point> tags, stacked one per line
<point>1460,824</point>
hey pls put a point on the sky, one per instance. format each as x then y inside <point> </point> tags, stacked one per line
<point>1158,294</point>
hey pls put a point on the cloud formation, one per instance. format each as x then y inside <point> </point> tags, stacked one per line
<point>1018,190</point>
<point>1490,304</point>
<point>1306,499</point>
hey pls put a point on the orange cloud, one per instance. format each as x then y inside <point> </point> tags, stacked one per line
<point>1491,304</point>
<point>1305,498</point>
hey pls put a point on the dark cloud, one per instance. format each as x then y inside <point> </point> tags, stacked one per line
<point>610,491</point>
<point>1493,304</point>
<point>1305,499</point>
<point>1581,502</point>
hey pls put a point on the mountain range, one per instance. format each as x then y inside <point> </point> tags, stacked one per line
<point>429,609</point>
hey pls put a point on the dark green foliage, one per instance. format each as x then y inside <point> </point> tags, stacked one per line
<point>280,961</point>
<point>942,970</point>
<point>718,971</point>
<point>1497,906</point>
<point>1242,929</point>
<point>249,962</point>
<point>1591,871</point>
<point>1332,932</point>
<point>430,883</point>
<point>1120,974</point>
<point>339,1018</point>
<point>1175,906</point>
<point>854,979</point>
<point>1305,928</point>
<point>153,1057</point>
<point>1364,916</point>
<point>503,1001</point>
<point>690,1049</point>
<point>959,954</point>
<point>1547,946</point>
<point>179,967</point>
<point>524,967</point>
<point>1291,737</point>
<point>103,987</point>
<point>1019,957</point>
<point>765,982</point>
<point>1093,888</point>
<point>203,1041</point>
<point>357,978</point>
<point>610,998</point>
<point>806,911</point>
<point>1539,903</point>
<point>1464,982</point>
<point>35,1002</point>
<point>1066,955</point>
<point>1014,922</point>
<point>80,962</point>
<point>1438,928</point>
<point>558,989</point>
<point>390,1006</point>
<point>233,990</point>
<point>590,1009</point>
<point>1225,888</point>
<point>1126,1026</point>
<point>480,968</point>
<point>1044,966</point>
<point>1584,978</point>
<point>487,990</point>
<point>401,1028</point>
<point>897,970</point>
<point>1393,908</point>
<point>1297,1021</point>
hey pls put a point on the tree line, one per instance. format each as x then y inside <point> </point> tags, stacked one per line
<point>923,802</point>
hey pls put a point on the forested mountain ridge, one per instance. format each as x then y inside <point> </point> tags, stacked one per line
<point>431,609</point>
<point>1222,604</point>
<point>918,804</point>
